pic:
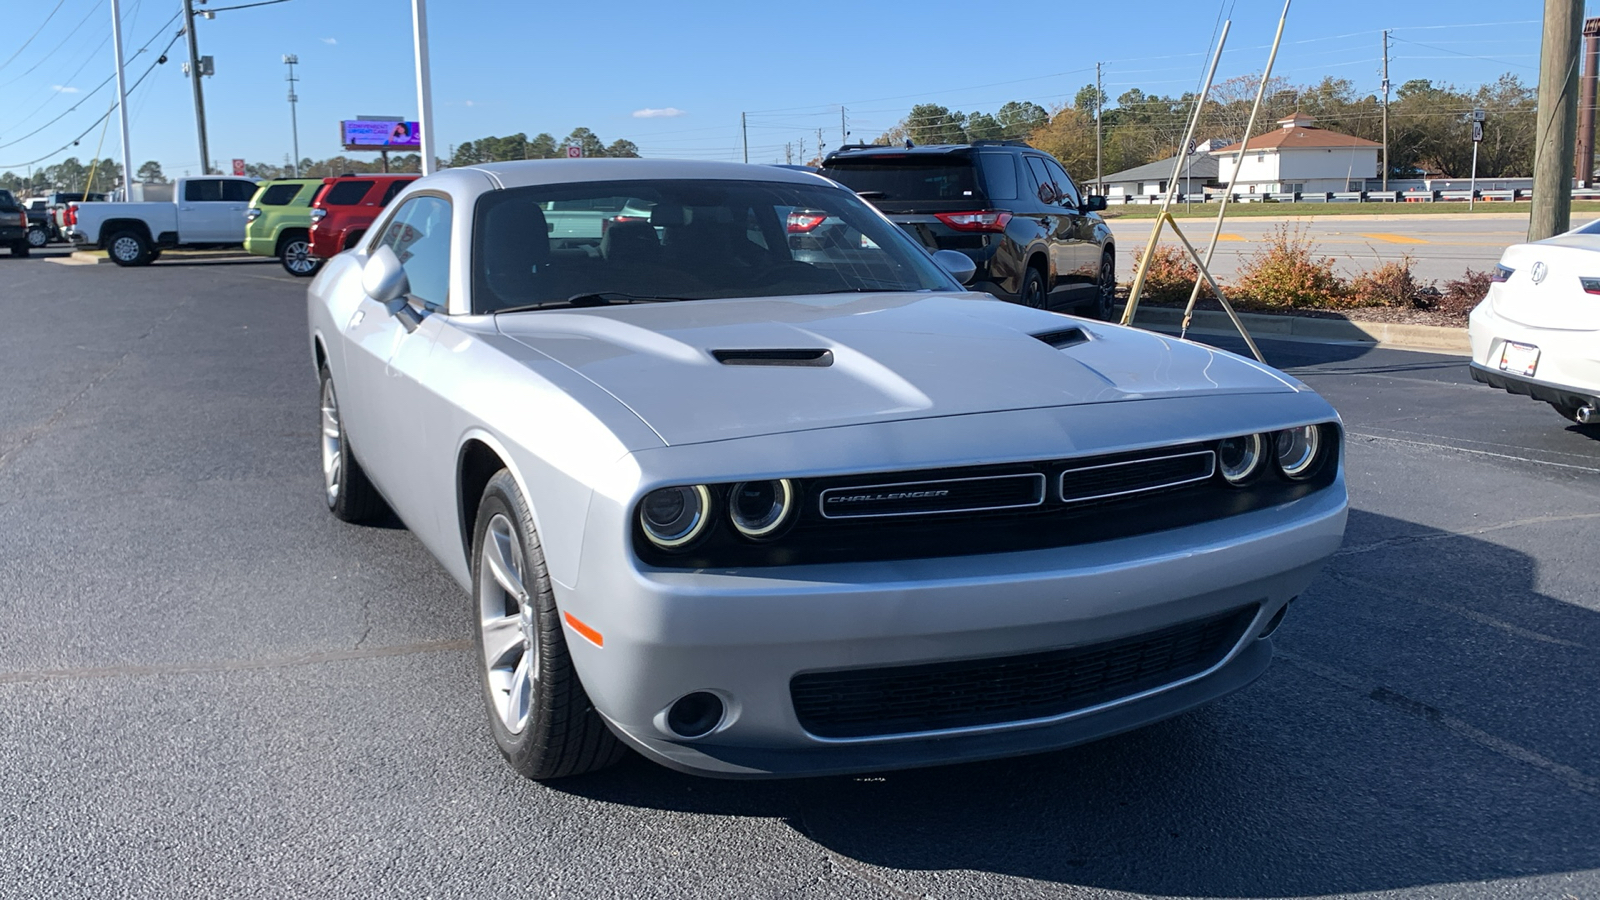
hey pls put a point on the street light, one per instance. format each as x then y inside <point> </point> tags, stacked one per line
<point>290,60</point>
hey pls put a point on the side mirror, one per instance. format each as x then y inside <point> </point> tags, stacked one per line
<point>958,264</point>
<point>383,278</point>
<point>1094,203</point>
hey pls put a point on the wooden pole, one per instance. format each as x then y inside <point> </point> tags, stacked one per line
<point>1557,136</point>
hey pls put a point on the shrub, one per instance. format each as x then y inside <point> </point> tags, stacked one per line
<point>1462,294</point>
<point>1392,283</point>
<point>1171,276</point>
<point>1284,272</point>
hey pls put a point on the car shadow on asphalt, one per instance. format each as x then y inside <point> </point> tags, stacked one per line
<point>1429,720</point>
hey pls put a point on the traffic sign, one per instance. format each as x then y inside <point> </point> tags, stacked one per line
<point>238,167</point>
<point>1477,115</point>
<point>575,151</point>
<point>1477,132</point>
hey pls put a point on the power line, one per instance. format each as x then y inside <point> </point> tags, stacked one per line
<point>35,34</point>
<point>51,55</point>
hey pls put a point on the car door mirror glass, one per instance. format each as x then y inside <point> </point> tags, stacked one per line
<point>958,264</point>
<point>1095,203</point>
<point>384,279</point>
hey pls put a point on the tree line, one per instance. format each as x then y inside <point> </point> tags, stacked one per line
<point>73,175</point>
<point>1429,124</point>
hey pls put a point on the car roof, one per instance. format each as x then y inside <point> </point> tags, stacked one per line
<point>896,151</point>
<point>522,173</point>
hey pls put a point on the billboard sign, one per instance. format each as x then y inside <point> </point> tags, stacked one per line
<point>380,134</point>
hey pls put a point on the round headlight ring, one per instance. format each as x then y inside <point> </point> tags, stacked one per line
<point>1299,450</point>
<point>1239,459</point>
<point>674,516</point>
<point>759,508</point>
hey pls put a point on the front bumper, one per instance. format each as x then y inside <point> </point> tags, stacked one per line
<point>1568,371</point>
<point>745,635</point>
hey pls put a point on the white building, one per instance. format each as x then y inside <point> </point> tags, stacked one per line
<point>1198,173</point>
<point>1302,157</point>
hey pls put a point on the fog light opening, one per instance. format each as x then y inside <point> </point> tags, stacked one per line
<point>1277,619</point>
<point>695,715</point>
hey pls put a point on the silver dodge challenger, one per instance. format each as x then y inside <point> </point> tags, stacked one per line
<point>739,476</point>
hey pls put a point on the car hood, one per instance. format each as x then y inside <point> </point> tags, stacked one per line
<point>687,370</point>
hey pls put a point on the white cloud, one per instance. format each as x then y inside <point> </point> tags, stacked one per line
<point>64,90</point>
<point>330,40</point>
<point>667,113</point>
<point>470,103</point>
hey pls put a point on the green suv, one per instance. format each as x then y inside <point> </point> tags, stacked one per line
<point>279,220</point>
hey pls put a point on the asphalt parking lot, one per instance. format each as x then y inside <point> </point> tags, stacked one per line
<point>211,687</point>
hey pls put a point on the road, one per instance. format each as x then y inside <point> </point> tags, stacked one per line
<point>210,687</point>
<point>1443,246</point>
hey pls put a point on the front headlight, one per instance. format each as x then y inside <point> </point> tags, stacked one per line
<point>759,508</point>
<point>1240,458</point>
<point>674,516</point>
<point>1299,450</point>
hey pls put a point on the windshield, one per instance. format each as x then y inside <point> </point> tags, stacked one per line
<point>686,240</point>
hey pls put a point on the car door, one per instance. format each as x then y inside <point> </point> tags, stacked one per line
<point>385,358</point>
<point>1056,220</point>
<point>211,211</point>
<point>1079,245</point>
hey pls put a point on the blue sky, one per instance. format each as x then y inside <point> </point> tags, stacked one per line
<point>503,66</point>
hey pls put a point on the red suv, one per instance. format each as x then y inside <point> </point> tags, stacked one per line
<point>344,208</point>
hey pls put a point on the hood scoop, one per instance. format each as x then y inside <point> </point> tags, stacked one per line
<point>1064,338</point>
<point>816,359</point>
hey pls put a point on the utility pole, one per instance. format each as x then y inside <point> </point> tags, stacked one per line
<point>290,59</point>
<point>1386,110</point>
<point>1557,121</point>
<point>820,145</point>
<point>1099,101</point>
<point>844,135</point>
<point>744,128</point>
<point>194,81</point>
<point>419,33</point>
<point>122,100</point>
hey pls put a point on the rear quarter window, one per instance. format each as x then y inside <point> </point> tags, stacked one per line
<point>999,175</point>
<point>278,195</point>
<point>346,193</point>
<point>393,189</point>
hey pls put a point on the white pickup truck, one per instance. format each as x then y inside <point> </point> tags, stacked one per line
<point>191,212</point>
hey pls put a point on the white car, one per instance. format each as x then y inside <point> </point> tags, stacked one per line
<point>1537,332</point>
<point>752,513</point>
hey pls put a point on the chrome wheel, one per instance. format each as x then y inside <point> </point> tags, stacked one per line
<point>37,237</point>
<point>125,248</point>
<point>509,623</point>
<point>332,444</point>
<point>297,258</point>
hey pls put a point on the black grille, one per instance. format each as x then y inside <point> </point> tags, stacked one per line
<point>908,699</point>
<point>929,497</point>
<point>1118,479</point>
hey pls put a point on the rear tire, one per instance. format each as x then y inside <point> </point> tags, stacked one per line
<point>294,254</point>
<point>542,719</point>
<point>128,248</point>
<point>38,237</point>
<point>1105,301</point>
<point>1032,293</point>
<point>350,496</point>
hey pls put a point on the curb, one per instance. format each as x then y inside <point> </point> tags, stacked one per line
<point>99,258</point>
<point>1431,338</point>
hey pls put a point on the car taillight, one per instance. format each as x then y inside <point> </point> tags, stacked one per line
<point>252,214</point>
<point>70,216</point>
<point>982,220</point>
<point>317,214</point>
<point>1500,273</point>
<point>802,221</point>
<point>1590,285</point>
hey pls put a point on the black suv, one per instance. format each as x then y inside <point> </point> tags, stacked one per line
<point>1013,209</point>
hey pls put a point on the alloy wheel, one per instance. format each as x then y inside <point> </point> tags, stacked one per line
<point>1108,287</point>
<point>125,248</point>
<point>332,444</point>
<point>509,623</point>
<point>297,258</point>
<point>37,237</point>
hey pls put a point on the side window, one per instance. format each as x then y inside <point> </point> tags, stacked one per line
<point>238,191</point>
<point>345,193</point>
<point>1064,183</point>
<point>394,187</point>
<point>203,190</point>
<point>419,234</point>
<point>1041,176</point>
<point>999,175</point>
<point>278,194</point>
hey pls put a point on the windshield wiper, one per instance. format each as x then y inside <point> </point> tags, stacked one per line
<point>595,298</point>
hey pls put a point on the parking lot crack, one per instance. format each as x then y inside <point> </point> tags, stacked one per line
<point>1392,699</point>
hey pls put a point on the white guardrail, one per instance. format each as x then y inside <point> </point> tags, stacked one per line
<point>1348,197</point>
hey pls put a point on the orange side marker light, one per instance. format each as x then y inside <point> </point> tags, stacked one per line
<point>577,624</point>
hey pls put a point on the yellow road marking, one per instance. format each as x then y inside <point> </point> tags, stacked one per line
<point>1395,238</point>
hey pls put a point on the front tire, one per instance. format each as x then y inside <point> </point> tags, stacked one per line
<point>350,496</point>
<point>1105,301</point>
<point>542,719</point>
<point>294,253</point>
<point>129,248</point>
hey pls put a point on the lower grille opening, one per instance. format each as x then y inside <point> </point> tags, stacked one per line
<point>970,693</point>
